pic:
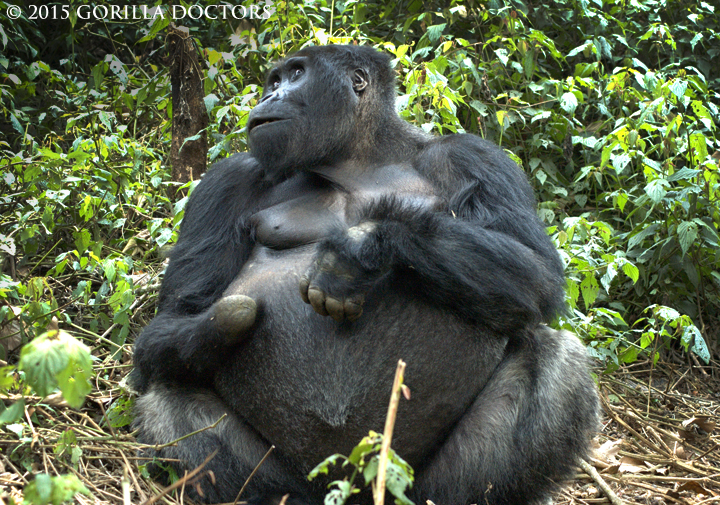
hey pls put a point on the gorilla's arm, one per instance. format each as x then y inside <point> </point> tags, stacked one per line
<point>487,257</point>
<point>184,339</point>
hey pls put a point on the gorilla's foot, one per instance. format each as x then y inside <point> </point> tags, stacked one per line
<point>234,315</point>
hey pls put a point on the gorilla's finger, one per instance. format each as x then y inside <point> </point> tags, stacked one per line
<point>335,309</point>
<point>304,285</point>
<point>353,308</point>
<point>317,300</point>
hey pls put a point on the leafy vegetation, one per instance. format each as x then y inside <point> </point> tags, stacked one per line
<point>53,490</point>
<point>363,464</point>
<point>610,106</point>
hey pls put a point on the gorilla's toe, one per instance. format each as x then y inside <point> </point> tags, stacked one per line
<point>234,315</point>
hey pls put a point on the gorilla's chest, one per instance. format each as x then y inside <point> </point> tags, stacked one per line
<point>303,213</point>
<point>286,235</point>
<point>300,221</point>
<point>307,208</point>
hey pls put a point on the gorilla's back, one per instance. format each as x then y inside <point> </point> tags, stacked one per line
<point>304,381</point>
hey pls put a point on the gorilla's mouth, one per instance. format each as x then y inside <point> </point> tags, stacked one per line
<point>255,122</point>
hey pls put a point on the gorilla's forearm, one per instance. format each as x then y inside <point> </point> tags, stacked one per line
<point>185,341</point>
<point>484,275</point>
<point>177,349</point>
<point>189,349</point>
<point>215,236</point>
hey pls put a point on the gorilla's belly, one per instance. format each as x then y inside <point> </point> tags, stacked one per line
<point>314,387</point>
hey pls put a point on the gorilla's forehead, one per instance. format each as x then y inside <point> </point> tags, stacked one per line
<point>291,61</point>
<point>342,53</point>
<point>312,53</point>
<point>335,57</point>
<point>332,49</point>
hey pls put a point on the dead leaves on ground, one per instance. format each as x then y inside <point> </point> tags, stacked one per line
<point>660,442</point>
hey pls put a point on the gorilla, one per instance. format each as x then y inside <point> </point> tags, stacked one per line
<point>345,240</point>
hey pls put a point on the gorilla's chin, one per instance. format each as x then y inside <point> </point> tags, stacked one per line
<point>270,145</point>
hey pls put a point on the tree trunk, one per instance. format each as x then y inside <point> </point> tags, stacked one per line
<point>188,157</point>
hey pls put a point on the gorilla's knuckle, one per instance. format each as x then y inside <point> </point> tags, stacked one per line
<point>335,308</point>
<point>303,286</point>
<point>362,230</point>
<point>317,300</point>
<point>353,309</point>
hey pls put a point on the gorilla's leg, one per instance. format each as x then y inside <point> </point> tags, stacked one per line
<point>524,432</point>
<point>166,413</point>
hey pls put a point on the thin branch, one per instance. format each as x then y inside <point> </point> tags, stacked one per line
<point>272,448</point>
<point>185,478</point>
<point>601,482</point>
<point>387,435</point>
<point>157,447</point>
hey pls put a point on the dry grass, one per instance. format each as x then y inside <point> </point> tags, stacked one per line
<point>660,442</point>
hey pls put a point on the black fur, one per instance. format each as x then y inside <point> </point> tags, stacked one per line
<point>420,248</point>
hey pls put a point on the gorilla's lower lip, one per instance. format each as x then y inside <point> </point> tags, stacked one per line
<point>263,121</point>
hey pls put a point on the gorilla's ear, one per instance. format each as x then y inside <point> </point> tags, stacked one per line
<point>359,80</point>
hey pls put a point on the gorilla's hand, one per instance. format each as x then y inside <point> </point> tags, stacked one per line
<point>233,316</point>
<point>347,265</point>
<point>330,286</point>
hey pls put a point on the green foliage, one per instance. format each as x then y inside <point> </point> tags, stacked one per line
<point>13,413</point>
<point>363,461</point>
<point>57,360</point>
<point>67,446</point>
<point>120,412</point>
<point>46,490</point>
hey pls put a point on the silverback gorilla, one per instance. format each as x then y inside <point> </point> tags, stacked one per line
<point>421,248</point>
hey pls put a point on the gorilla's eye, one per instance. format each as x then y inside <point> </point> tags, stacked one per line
<point>359,80</point>
<point>296,73</point>
<point>274,84</point>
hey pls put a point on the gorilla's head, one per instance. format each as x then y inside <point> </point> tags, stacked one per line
<point>320,106</point>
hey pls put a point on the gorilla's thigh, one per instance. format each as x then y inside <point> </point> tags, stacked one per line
<point>523,432</point>
<point>166,413</point>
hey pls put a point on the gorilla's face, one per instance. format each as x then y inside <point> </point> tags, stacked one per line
<point>305,116</point>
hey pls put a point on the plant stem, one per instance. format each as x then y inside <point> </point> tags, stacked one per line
<point>387,434</point>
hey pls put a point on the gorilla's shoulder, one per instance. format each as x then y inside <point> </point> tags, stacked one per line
<point>226,174</point>
<point>461,148</point>
<point>466,157</point>
<point>238,164</point>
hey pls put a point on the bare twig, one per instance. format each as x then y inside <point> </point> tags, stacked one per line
<point>128,469</point>
<point>181,482</point>
<point>272,447</point>
<point>125,484</point>
<point>387,434</point>
<point>656,491</point>
<point>601,482</point>
<point>157,447</point>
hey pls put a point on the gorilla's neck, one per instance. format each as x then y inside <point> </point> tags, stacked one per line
<point>376,156</point>
<point>391,140</point>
